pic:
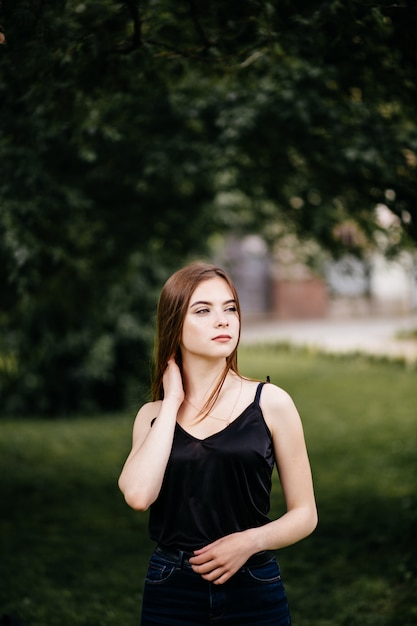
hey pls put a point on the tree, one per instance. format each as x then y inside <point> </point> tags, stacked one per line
<point>131,131</point>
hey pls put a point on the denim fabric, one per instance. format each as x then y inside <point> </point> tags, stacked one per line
<point>174,595</point>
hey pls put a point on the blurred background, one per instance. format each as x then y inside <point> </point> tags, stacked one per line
<point>276,139</point>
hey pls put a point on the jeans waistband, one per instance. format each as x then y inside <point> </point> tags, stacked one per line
<point>182,557</point>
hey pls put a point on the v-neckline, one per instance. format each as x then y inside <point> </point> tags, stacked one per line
<point>219,432</point>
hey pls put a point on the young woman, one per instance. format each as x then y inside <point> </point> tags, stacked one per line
<point>202,459</point>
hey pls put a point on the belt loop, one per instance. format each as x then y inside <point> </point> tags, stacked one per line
<point>180,561</point>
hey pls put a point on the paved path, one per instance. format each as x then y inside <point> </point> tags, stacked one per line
<point>377,335</point>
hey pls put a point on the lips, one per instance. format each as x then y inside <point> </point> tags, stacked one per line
<point>222,338</point>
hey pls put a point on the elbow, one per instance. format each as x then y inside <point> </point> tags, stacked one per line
<point>136,502</point>
<point>136,499</point>
<point>308,521</point>
<point>312,522</point>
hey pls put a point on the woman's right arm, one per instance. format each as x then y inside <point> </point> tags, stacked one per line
<point>143,472</point>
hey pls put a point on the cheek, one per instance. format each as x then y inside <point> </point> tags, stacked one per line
<point>190,326</point>
<point>190,330</point>
<point>235,325</point>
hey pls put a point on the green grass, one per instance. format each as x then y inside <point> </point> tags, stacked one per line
<point>407,334</point>
<point>73,554</point>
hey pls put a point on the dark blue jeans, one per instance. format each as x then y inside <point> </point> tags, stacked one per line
<point>174,595</point>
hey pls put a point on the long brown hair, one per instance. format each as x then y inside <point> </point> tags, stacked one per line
<point>172,307</point>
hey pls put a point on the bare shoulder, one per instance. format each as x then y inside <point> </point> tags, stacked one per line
<point>144,417</point>
<point>150,408</point>
<point>278,408</point>
<point>275,396</point>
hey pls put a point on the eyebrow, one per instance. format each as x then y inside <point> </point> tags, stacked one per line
<point>199,302</point>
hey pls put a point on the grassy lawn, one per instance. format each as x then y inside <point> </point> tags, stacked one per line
<point>73,554</point>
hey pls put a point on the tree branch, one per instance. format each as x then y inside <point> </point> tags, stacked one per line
<point>199,29</point>
<point>136,41</point>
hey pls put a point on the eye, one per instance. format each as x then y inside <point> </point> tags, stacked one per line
<point>231,309</point>
<point>202,311</point>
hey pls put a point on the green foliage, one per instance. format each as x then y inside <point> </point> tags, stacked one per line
<point>326,128</point>
<point>98,197</point>
<point>132,131</point>
<point>73,553</point>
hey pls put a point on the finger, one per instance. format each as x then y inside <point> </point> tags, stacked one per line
<point>222,579</point>
<point>200,559</point>
<point>213,575</point>
<point>172,359</point>
<point>204,568</point>
<point>219,578</point>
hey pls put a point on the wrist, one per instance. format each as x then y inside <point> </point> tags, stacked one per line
<point>172,401</point>
<point>254,536</point>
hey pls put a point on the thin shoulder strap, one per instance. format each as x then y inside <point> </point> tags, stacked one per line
<point>258,393</point>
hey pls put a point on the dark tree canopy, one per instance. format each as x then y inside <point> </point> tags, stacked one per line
<point>132,131</point>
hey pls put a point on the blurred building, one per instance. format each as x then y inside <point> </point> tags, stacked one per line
<point>282,286</point>
<point>377,286</point>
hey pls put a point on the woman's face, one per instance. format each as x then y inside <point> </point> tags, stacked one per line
<point>211,324</point>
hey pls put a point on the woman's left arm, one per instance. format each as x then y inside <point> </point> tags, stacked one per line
<point>294,471</point>
<point>221,559</point>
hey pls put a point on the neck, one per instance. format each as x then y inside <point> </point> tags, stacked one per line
<point>201,379</point>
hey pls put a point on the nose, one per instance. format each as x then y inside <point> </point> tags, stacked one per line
<point>222,322</point>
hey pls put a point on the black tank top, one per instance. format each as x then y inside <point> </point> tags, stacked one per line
<point>217,485</point>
